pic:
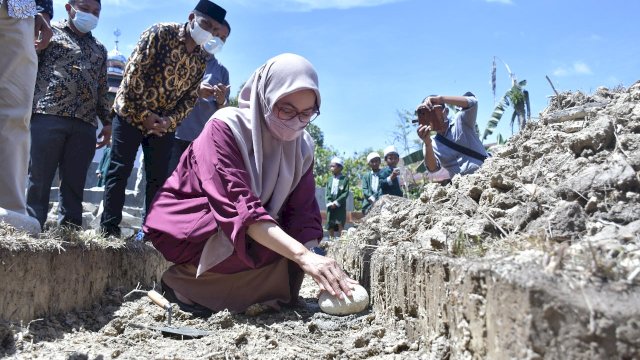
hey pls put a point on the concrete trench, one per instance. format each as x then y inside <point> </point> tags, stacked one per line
<point>496,310</point>
<point>62,277</point>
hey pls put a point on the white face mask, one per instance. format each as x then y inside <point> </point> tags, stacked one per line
<point>280,130</point>
<point>199,35</point>
<point>84,22</point>
<point>214,45</point>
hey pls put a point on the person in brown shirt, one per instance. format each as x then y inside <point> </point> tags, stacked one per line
<point>159,88</point>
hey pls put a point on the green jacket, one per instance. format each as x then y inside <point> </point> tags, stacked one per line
<point>368,191</point>
<point>387,188</point>
<point>339,214</point>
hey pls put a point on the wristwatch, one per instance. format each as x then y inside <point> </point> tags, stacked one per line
<point>318,250</point>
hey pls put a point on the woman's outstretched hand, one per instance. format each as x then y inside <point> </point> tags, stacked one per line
<point>327,274</point>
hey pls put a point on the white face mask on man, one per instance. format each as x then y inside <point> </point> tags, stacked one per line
<point>213,46</point>
<point>84,22</point>
<point>199,35</point>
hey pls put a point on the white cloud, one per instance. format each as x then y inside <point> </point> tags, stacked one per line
<point>307,5</point>
<point>596,37</point>
<point>506,2</point>
<point>577,68</point>
<point>560,72</point>
<point>581,68</point>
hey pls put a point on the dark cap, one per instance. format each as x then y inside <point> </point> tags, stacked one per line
<point>208,8</point>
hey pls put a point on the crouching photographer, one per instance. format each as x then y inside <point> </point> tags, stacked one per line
<point>456,147</point>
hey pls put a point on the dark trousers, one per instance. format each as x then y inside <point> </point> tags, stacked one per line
<point>126,139</point>
<point>67,144</point>
<point>178,148</point>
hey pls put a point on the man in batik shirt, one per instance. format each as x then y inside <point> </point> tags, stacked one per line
<point>71,93</point>
<point>159,89</point>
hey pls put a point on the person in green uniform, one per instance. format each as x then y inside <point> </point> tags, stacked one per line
<point>389,176</point>
<point>371,183</point>
<point>101,171</point>
<point>336,195</point>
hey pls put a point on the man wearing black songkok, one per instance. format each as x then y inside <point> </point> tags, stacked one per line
<point>159,89</point>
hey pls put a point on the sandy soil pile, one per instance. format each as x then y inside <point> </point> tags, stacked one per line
<point>563,194</point>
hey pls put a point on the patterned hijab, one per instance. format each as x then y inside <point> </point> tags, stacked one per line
<point>275,166</point>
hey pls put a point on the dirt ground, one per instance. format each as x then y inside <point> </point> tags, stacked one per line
<point>107,331</point>
<point>562,198</point>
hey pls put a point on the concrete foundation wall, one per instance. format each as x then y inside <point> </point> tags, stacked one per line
<point>495,310</point>
<point>39,283</point>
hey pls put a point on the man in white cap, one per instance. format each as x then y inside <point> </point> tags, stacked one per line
<point>336,195</point>
<point>371,182</point>
<point>390,184</point>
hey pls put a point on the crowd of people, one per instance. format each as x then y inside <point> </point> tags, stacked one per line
<point>229,195</point>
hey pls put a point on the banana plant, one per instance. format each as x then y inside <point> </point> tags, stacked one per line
<point>516,97</point>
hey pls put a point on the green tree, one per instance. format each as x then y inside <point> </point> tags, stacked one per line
<point>404,136</point>
<point>316,134</point>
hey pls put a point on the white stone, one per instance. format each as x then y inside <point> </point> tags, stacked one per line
<point>20,221</point>
<point>332,305</point>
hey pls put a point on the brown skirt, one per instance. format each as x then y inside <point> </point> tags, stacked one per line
<point>274,285</point>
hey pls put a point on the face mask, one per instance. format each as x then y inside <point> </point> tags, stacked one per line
<point>84,22</point>
<point>199,35</point>
<point>280,130</point>
<point>213,46</point>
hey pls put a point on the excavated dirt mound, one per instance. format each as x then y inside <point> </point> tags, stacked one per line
<point>567,188</point>
<point>537,255</point>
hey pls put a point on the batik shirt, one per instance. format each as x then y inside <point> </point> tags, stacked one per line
<point>22,9</point>
<point>161,76</point>
<point>72,77</point>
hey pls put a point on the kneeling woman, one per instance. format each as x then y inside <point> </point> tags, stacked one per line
<point>239,214</point>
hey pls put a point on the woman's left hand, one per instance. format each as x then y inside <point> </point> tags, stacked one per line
<point>327,274</point>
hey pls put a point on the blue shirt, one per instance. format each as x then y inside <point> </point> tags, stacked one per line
<point>193,124</point>
<point>462,130</point>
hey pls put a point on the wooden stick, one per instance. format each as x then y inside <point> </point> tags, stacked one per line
<point>553,87</point>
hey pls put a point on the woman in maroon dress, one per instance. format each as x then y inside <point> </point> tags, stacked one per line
<point>239,216</point>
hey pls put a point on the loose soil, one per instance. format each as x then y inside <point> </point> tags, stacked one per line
<point>547,232</point>
<point>107,331</point>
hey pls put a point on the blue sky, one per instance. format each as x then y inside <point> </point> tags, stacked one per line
<point>375,57</point>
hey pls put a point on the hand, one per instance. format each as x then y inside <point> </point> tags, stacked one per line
<point>327,274</point>
<point>431,101</point>
<point>220,93</point>
<point>395,173</point>
<point>105,135</point>
<point>155,124</point>
<point>42,31</point>
<point>205,90</point>
<point>332,206</point>
<point>424,133</point>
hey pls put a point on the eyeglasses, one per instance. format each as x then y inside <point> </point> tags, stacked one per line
<point>288,113</point>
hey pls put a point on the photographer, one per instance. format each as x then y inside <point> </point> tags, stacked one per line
<point>456,146</point>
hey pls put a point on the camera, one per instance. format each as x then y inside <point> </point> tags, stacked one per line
<point>433,117</point>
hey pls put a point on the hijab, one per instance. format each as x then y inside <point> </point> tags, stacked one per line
<point>275,166</point>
